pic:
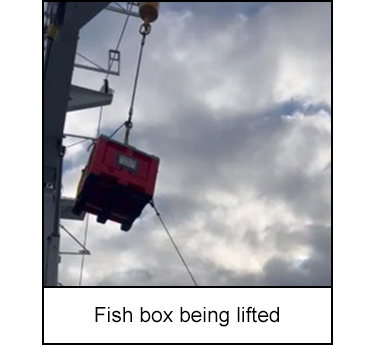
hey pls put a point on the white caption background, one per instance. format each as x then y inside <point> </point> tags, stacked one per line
<point>305,315</point>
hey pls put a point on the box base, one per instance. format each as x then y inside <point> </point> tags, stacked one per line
<point>109,200</point>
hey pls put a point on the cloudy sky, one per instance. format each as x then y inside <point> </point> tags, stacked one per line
<point>235,98</point>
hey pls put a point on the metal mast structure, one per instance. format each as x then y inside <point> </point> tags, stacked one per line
<point>65,20</point>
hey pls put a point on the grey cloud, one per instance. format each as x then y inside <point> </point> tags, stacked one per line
<point>315,271</point>
<point>242,152</point>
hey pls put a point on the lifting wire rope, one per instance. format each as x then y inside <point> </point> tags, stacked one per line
<point>152,203</point>
<point>144,30</point>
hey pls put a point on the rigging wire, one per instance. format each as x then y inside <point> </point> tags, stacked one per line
<point>77,143</point>
<point>116,131</point>
<point>73,238</point>
<point>90,61</point>
<point>174,243</point>
<point>85,245</point>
